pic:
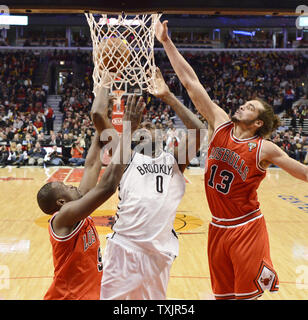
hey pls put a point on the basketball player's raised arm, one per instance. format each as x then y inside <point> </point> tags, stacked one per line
<point>74,211</point>
<point>209,110</point>
<point>190,120</point>
<point>93,164</point>
<point>100,107</point>
<point>271,153</point>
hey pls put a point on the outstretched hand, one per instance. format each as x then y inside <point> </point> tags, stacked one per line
<point>161,89</point>
<point>134,111</point>
<point>161,31</point>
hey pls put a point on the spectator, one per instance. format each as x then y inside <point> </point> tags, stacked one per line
<point>21,156</point>
<point>67,143</point>
<point>12,153</point>
<point>3,138</point>
<point>4,154</point>
<point>28,139</point>
<point>77,154</point>
<point>31,129</point>
<point>16,138</point>
<point>88,139</point>
<point>39,123</point>
<point>42,139</point>
<point>45,87</point>
<point>54,158</point>
<point>37,155</point>
<point>54,140</point>
<point>49,116</point>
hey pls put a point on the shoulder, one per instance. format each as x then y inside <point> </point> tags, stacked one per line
<point>59,225</point>
<point>269,150</point>
<point>218,127</point>
<point>63,233</point>
<point>269,146</point>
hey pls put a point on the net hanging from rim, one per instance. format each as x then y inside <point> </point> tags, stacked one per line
<point>123,48</point>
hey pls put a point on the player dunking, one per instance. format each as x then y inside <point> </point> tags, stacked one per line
<point>73,236</point>
<point>143,246</point>
<point>238,156</point>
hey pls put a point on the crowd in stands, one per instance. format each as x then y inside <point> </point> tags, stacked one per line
<point>295,144</point>
<point>27,136</point>
<point>231,78</point>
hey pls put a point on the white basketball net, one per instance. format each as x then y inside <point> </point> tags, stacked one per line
<point>134,65</point>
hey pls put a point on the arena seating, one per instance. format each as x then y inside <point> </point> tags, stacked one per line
<point>231,78</point>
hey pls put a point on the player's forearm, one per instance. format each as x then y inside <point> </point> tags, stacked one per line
<point>92,166</point>
<point>114,171</point>
<point>190,120</point>
<point>299,171</point>
<point>94,151</point>
<point>99,110</point>
<point>271,153</point>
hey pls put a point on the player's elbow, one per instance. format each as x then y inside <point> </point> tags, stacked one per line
<point>190,83</point>
<point>110,186</point>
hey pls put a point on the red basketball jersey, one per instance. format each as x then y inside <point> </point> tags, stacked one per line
<point>77,263</point>
<point>233,175</point>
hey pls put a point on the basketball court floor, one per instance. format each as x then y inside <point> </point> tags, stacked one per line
<point>26,268</point>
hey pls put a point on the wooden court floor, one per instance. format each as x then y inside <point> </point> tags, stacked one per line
<point>25,254</point>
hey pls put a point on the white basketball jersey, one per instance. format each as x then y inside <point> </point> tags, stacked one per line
<point>149,192</point>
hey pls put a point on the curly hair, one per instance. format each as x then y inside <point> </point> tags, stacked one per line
<point>270,120</point>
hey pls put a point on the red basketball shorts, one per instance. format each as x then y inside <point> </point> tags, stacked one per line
<point>239,260</point>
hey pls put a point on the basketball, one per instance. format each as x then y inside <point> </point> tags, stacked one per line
<point>113,54</point>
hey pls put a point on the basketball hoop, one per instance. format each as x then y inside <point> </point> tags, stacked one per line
<point>123,46</point>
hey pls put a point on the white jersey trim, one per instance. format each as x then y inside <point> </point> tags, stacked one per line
<point>236,225</point>
<point>238,218</point>
<point>236,294</point>
<point>258,157</point>
<point>69,236</point>
<point>237,140</point>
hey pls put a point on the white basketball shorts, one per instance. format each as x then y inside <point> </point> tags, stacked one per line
<point>130,274</point>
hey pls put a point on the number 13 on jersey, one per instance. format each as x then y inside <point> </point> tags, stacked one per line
<point>227,178</point>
